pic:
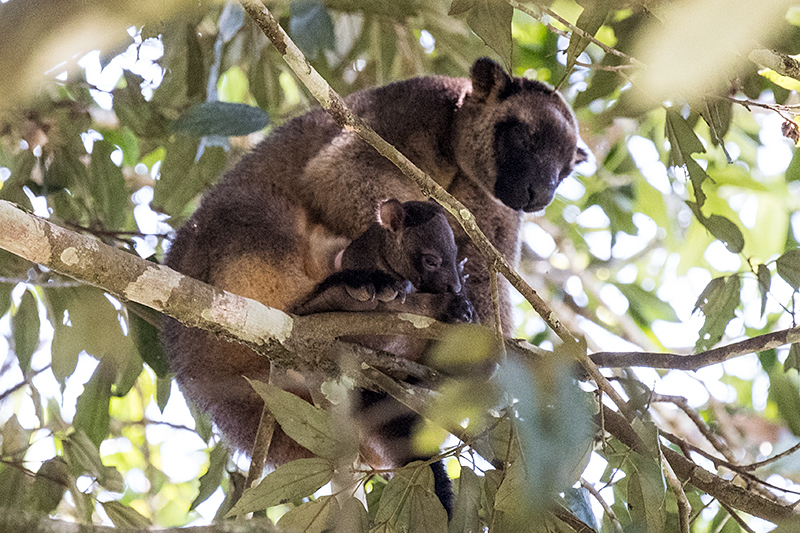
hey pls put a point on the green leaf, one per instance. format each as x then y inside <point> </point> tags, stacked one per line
<point>697,176</point>
<point>221,118</point>
<point>210,481</point>
<point>718,114</point>
<point>109,193</point>
<point>91,413</point>
<point>579,502</point>
<point>148,344</point>
<point>163,390</point>
<point>195,71</point>
<point>491,21</point>
<point>291,481</point>
<point>183,178</point>
<point>49,486</point>
<point>311,27</point>
<point>467,506</point>
<point>409,503</point>
<point>783,390</point>
<point>645,306</point>
<point>793,170</point>
<point>353,517</point>
<point>309,426</point>
<point>682,139</point>
<point>726,231</point>
<point>591,18</point>
<point>461,6</point>
<point>764,281</point>
<point>317,516</point>
<point>718,302</point>
<point>25,325</point>
<point>793,359</point>
<point>125,517</point>
<point>789,267</point>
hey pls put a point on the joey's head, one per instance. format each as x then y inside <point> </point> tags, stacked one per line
<point>516,137</point>
<point>420,246</point>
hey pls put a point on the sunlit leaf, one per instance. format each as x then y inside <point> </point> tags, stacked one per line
<point>783,390</point>
<point>682,139</point>
<point>725,231</point>
<point>291,481</point>
<point>786,82</point>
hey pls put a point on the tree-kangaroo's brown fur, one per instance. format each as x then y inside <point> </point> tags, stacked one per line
<point>272,228</point>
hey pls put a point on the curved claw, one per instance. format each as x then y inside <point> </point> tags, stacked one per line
<point>387,294</point>
<point>364,293</point>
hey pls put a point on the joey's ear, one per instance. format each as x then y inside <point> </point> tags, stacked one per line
<point>581,155</point>
<point>488,78</point>
<point>392,215</point>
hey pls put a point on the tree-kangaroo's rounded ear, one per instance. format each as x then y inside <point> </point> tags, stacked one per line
<point>391,215</point>
<point>488,79</point>
<point>581,155</point>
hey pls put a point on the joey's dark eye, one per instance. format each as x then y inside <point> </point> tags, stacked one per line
<point>431,262</point>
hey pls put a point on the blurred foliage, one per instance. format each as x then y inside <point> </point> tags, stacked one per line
<point>686,233</point>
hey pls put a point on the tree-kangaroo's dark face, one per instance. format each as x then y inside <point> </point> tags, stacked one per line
<point>516,137</point>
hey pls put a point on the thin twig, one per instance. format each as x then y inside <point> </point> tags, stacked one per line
<point>603,503</point>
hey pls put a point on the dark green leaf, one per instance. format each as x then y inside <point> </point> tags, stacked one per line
<point>91,413</point>
<point>125,517</point>
<point>718,302</point>
<point>183,178</point>
<point>580,503</point>
<point>409,503</point>
<point>65,171</point>
<point>264,84</point>
<point>195,71</point>
<point>309,426</point>
<point>682,139</point>
<point>647,491</point>
<point>317,516</point>
<point>109,192</point>
<point>25,325</point>
<point>352,517</point>
<point>764,281</point>
<point>491,21</point>
<point>5,296</point>
<point>163,390</point>
<point>291,481</point>
<point>789,267</point>
<point>16,439</point>
<point>148,343</point>
<point>217,460</point>
<point>126,141</point>
<point>793,359</point>
<point>12,188</point>
<point>697,176</point>
<point>793,170</point>
<point>221,118</point>
<point>718,114</point>
<point>725,231</point>
<point>311,27</point>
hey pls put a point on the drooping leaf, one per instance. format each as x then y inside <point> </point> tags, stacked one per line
<point>210,481</point>
<point>646,306</point>
<point>91,414</point>
<point>718,302</point>
<point>682,139</point>
<point>109,192</point>
<point>49,485</point>
<point>793,359</point>
<point>783,390</point>
<point>461,6</point>
<point>309,426</point>
<point>353,517</point>
<point>124,516</point>
<point>647,492</point>
<point>148,343</point>
<point>591,18</point>
<point>580,503</point>
<point>697,176</point>
<point>491,21</point>
<point>409,503</point>
<point>467,505</point>
<point>25,325</point>
<point>764,281</point>
<point>221,118</point>
<point>83,457</point>
<point>288,482</point>
<point>311,27</point>
<point>789,267</point>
